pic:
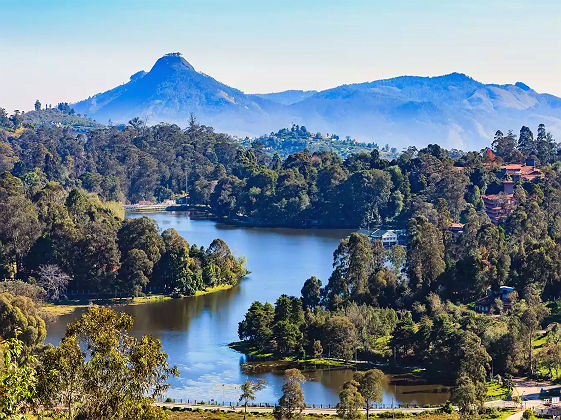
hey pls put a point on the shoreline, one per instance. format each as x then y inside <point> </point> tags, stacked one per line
<point>204,214</point>
<point>59,309</point>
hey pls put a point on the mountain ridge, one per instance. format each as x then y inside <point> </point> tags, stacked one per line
<point>454,109</point>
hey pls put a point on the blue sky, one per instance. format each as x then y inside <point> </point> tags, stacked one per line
<point>68,50</point>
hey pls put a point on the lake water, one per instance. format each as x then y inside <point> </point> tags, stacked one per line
<point>195,331</point>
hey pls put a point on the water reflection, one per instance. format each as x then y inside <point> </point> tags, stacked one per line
<point>195,332</point>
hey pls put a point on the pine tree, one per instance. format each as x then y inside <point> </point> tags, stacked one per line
<point>526,142</point>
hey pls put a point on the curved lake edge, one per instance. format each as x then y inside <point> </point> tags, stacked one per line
<point>68,307</point>
<point>195,331</point>
<point>252,354</point>
<point>206,214</point>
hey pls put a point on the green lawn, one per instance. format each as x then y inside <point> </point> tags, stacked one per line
<point>496,391</point>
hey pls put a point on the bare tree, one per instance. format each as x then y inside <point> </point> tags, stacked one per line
<point>53,280</point>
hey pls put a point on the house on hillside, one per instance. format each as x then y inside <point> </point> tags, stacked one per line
<point>499,206</point>
<point>390,237</point>
<point>488,304</point>
<point>456,228</point>
<point>517,171</point>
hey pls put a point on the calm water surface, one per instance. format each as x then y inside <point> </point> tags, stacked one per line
<point>195,332</point>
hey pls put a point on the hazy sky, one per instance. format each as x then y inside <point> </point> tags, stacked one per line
<point>68,50</point>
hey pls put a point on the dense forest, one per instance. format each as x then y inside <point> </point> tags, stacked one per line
<point>69,242</point>
<point>404,306</point>
<point>414,305</point>
<point>241,184</point>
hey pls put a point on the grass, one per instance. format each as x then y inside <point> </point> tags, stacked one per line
<point>496,391</point>
<point>538,342</point>
<point>498,415</point>
<point>250,350</point>
<point>321,362</point>
<point>67,307</point>
<point>147,299</point>
<point>213,289</point>
<point>62,309</point>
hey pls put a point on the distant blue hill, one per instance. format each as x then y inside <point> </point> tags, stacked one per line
<point>453,110</point>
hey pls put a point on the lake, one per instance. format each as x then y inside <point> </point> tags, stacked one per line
<point>195,331</point>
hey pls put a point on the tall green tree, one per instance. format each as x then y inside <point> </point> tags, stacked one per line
<point>119,375</point>
<point>370,387</point>
<point>470,393</point>
<point>249,388</point>
<point>425,254</point>
<point>350,401</point>
<point>292,402</point>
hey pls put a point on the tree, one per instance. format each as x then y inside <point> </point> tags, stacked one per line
<point>19,317</point>
<point>311,293</point>
<point>37,105</point>
<point>425,254</point>
<point>288,337</point>
<point>503,146</point>
<point>257,324</point>
<point>53,280</point>
<point>397,256</point>
<point>172,273</point>
<point>526,142</point>
<point>249,388</point>
<point>60,374</point>
<point>162,193</point>
<point>17,379</point>
<point>19,226</point>
<point>340,335</point>
<point>318,349</point>
<point>119,374</point>
<point>531,317</point>
<point>470,393</point>
<point>350,401</point>
<point>370,386</point>
<point>291,403</point>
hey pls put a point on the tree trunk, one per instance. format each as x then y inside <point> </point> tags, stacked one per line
<point>367,410</point>
<point>245,411</point>
<point>530,353</point>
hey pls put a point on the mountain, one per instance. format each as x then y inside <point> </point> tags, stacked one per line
<point>173,90</point>
<point>288,97</point>
<point>453,110</point>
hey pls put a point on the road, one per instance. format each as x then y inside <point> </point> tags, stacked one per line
<point>317,411</point>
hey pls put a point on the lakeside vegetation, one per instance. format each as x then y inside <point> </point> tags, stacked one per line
<point>61,235</point>
<point>247,185</point>
<point>72,244</point>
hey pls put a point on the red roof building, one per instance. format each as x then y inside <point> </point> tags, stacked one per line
<point>500,206</point>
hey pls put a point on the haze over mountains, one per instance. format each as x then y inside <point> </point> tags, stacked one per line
<point>453,110</point>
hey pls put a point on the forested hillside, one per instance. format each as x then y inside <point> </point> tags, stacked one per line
<point>73,244</point>
<point>246,185</point>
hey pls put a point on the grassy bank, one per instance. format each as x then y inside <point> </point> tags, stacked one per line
<point>213,289</point>
<point>260,355</point>
<point>61,309</point>
<point>67,307</point>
